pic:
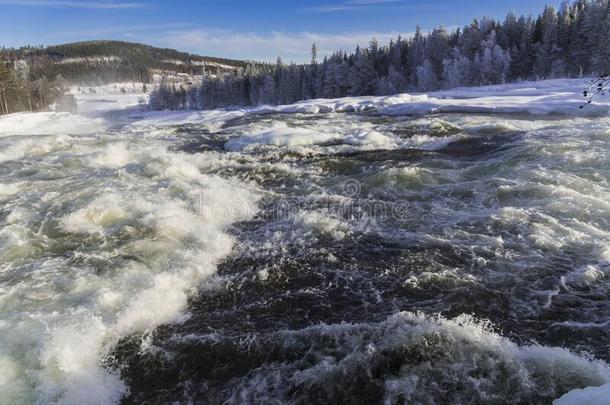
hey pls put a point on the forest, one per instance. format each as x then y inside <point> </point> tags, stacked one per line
<point>102,62</point>
<point>18,93</point>
<point>33,77</point>
<point>571,41</point>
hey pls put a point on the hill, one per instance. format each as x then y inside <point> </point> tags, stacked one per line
<point>100,62</point>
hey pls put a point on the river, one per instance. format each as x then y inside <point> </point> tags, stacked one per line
<point>335,257</point>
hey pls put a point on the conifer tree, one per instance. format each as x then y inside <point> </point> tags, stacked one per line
<point>571,42</point>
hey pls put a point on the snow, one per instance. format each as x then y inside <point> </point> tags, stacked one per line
<point>109,98</point>
<point>213,120</point>
<point>173,61</point>
<point>47,123</point>
<point>216,64</point>
<point>92,59</point>
<point>589,396</point>
<point>201,63</point>
<point>558,96</point>
<point>97,111</point>
<point>107,105</point>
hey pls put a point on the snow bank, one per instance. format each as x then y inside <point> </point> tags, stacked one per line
<point>589,396</point>
<point>97,107</point>
<point>99,100</point>
<point>48,123</point>
<point>559,96</point>
<point>213,119</point>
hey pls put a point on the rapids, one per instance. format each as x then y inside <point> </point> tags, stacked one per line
<point>334,257</point>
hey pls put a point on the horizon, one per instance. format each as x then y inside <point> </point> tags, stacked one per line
<point>257,32</point>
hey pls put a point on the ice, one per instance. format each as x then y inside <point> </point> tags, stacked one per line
<point>213,120</point>
<point>282,136</point>
<point>589,396</point>
<point>48,123</point>
<point>558,96</point>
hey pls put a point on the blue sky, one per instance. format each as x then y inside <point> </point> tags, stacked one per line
<point>242,29</point>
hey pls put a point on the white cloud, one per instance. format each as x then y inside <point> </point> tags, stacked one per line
<point>267,47</point>
<point>114,31</point>
<point>72,4</point>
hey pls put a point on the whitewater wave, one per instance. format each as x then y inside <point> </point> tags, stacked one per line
<point>138,234</point>
<point>410,357</point>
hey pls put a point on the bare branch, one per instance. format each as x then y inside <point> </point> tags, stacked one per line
<point>597,88</point>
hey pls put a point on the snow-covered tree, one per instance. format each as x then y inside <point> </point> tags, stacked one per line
<point>426,77</point>
<point>570,42</point>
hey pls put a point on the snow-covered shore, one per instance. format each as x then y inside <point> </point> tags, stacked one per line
<point>548,97</point>
<point>97,109</point>
<point>560,96</point>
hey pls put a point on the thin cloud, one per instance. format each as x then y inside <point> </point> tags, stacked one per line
<point>328,9</point>
<point>368,2</point>
<point>267,46</point>
<point>354,5</point>
<point>122,30</point>
<point>72,4</point>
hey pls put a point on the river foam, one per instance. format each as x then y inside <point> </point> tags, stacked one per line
<point>141,230</point>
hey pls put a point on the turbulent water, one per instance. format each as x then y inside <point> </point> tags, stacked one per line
<point>447,259</point>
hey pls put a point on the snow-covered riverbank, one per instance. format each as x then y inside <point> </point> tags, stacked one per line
<point>561,97</point>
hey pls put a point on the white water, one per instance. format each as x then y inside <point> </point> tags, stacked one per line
<point>103,235</point>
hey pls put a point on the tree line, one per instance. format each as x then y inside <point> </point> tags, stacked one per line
<point>92,63</point>
<point>18,93</point>
<point>571,41</point>
<point>34,77</point>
